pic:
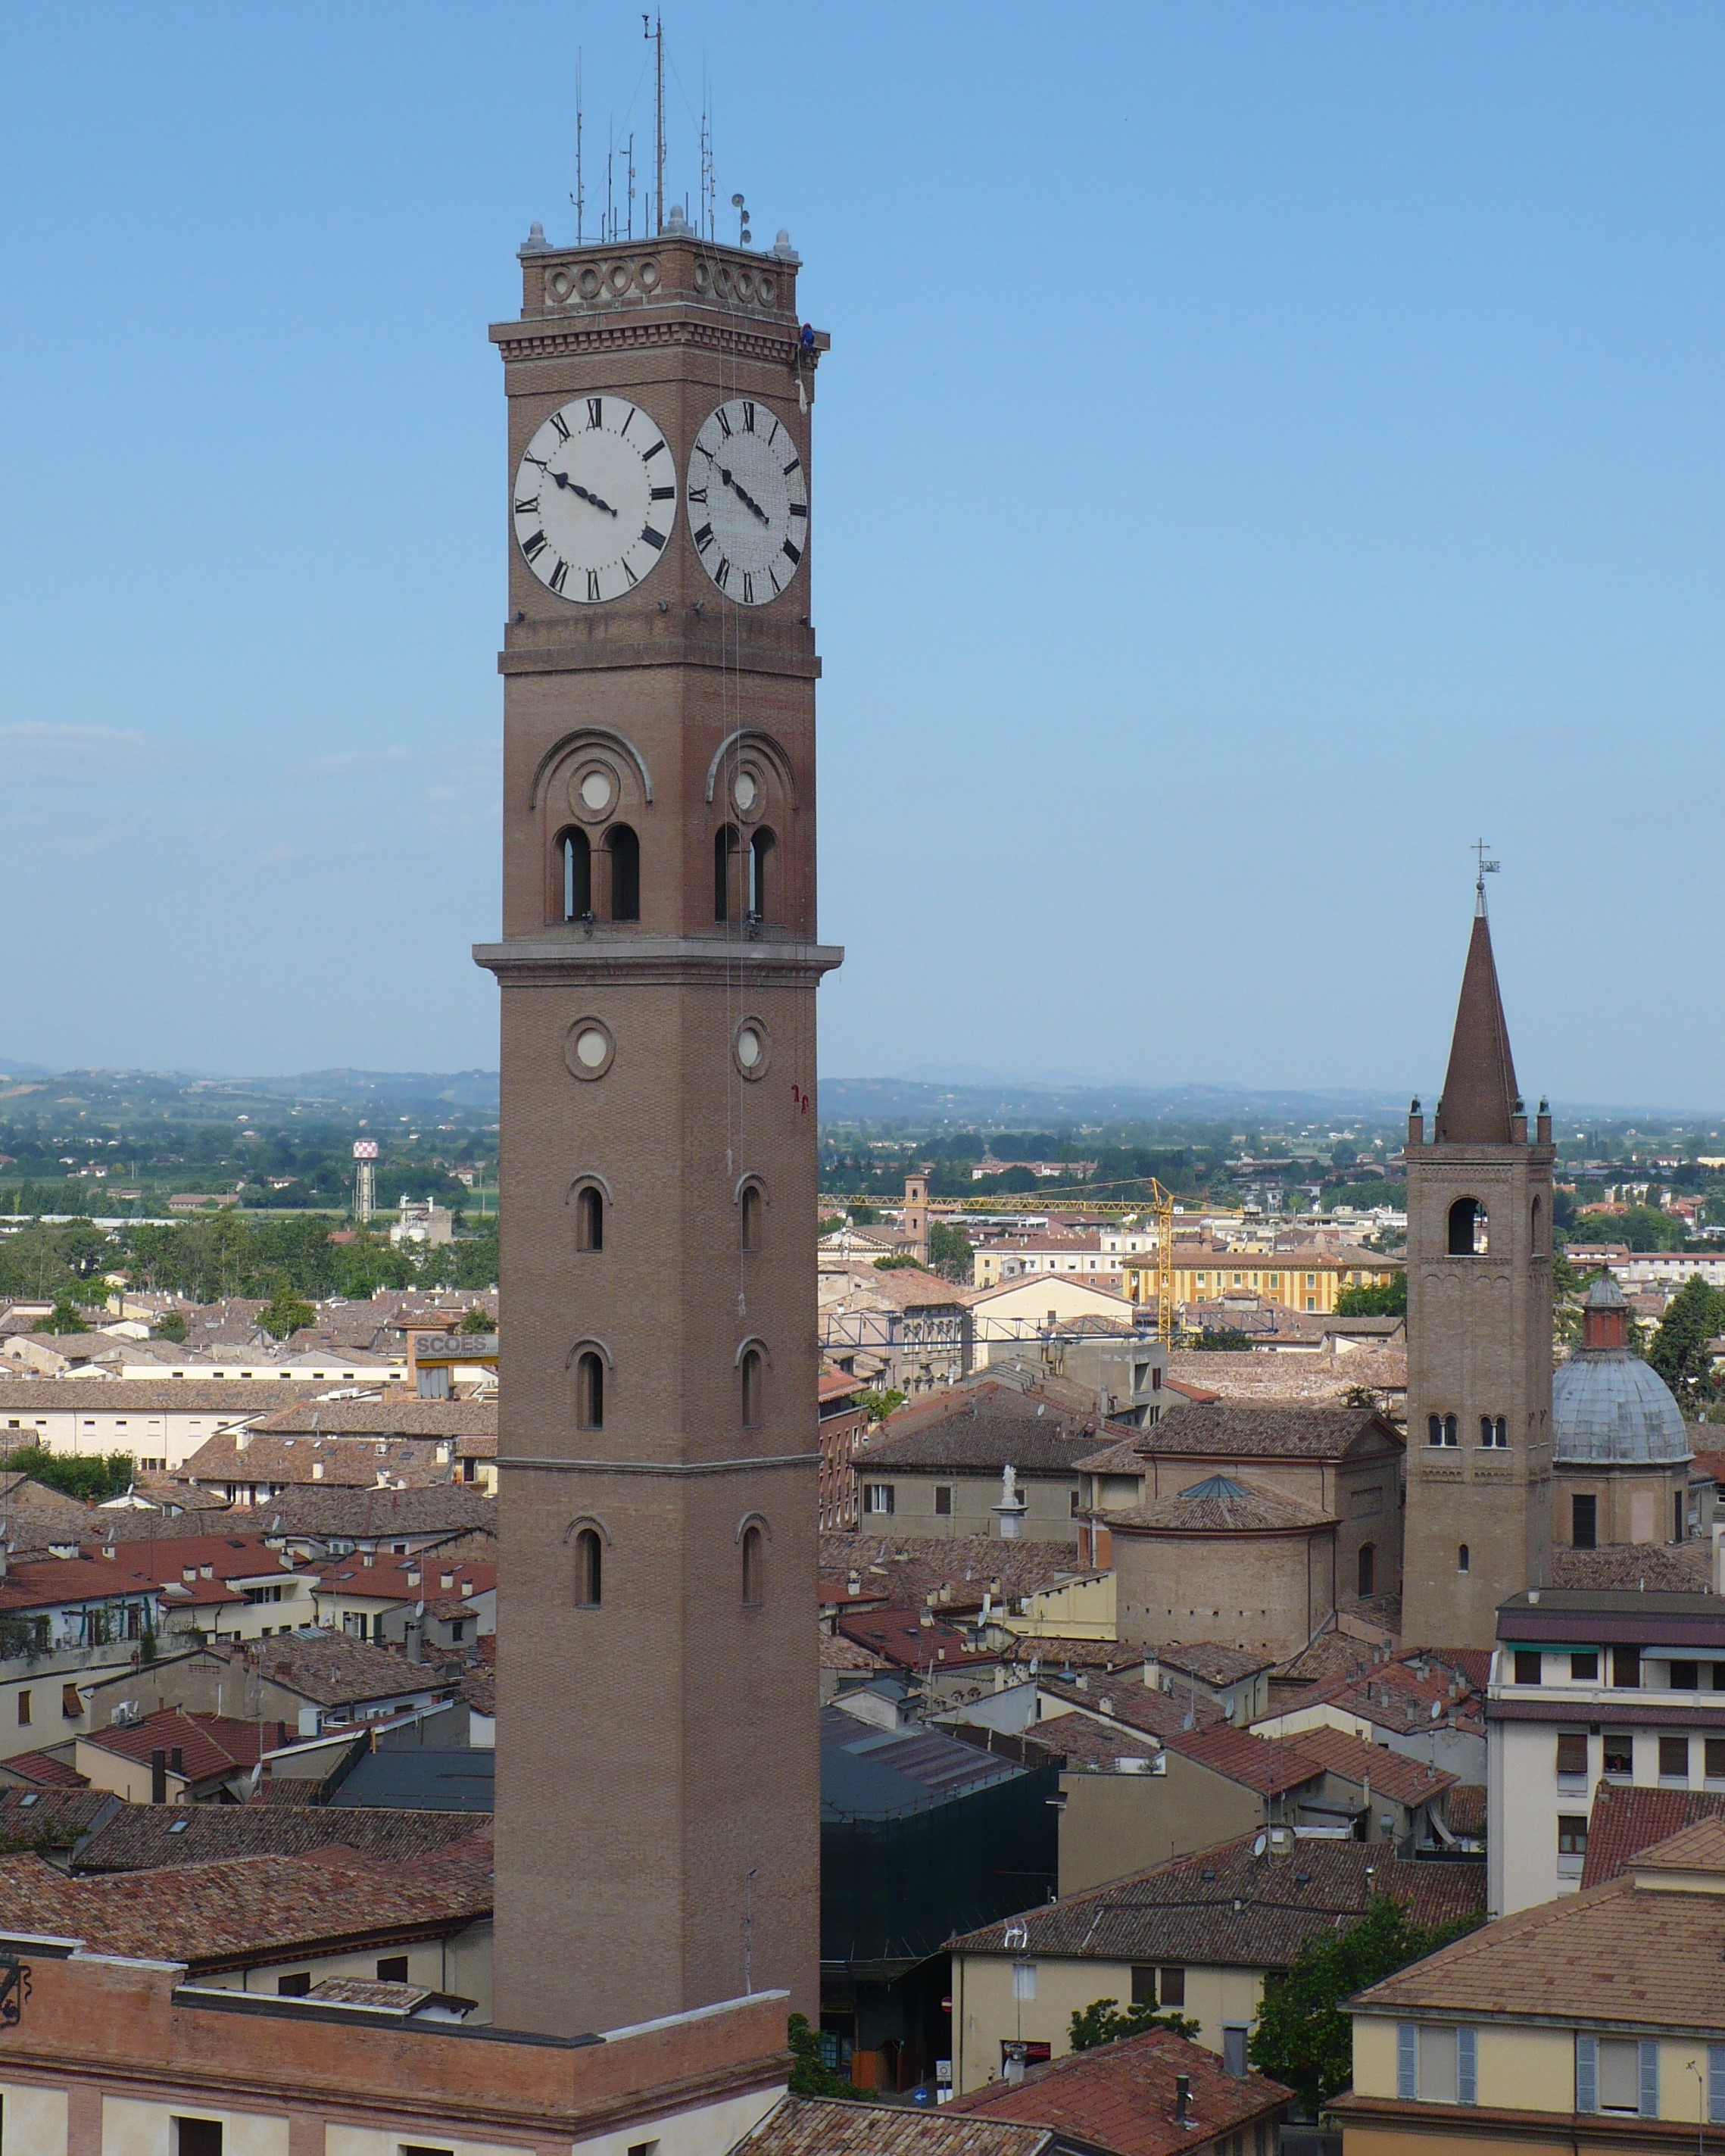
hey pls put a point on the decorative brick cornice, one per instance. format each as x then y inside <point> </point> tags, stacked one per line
<point>569,958</point>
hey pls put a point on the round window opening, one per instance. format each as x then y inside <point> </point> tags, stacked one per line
<point>596,791</point>
<point>588,1048</point>
<point>750,1048</point>
<point>745,792</point>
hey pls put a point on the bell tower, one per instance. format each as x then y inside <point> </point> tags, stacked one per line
<point>658,1780</point>
<point>1479,1331</point>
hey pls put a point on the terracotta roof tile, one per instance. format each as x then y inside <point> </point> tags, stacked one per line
<point>1391,1773</point>
<point>822,2125</point>
<point>144,1837</point>
<point>1121,2096</point>
<point>1186,1912</point>
<point>1625,1821</point>
<point>1219,1504</point>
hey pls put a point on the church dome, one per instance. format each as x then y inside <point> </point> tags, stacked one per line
<point>1609,1408</point>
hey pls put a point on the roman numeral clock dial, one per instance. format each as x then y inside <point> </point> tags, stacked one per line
<point>595,499</point>
<point>748,501</point>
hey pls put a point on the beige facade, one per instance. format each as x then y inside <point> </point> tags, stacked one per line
<point>945,1503</point>
<point>997,2000</point>
<point>1269,1589</point>
<point>1117,1824</point>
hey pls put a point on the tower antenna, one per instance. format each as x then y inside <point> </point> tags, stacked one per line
<point>655,36</point>
<point>631,155</point>
<point>610,226</point>
<point>1486,868</point>
<point>579,197</point>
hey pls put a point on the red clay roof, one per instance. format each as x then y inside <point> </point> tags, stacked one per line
<point>902,1638</point>
<point>1269,1768</point>
<point>212,1747</point>
<point>1122,2095</point>
<point>1625,1821</point>
<point>1391,1773</point>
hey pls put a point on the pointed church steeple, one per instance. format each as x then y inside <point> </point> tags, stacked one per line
<point>1480,1092</point>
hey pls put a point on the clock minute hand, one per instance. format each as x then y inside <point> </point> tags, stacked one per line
<point>576,487</point>
<point>747,500</point>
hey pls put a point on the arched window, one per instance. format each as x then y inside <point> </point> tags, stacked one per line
<point>1367,1568</point>
<point>1467,1229</point>
<point>590,1391</point>
<point>578,874</point>
<point>751,1216</point>
<point>624,850</point>
<point>761,847</point>
<point>1442,1430</point>
<point>1452,1430</point>
<point>589,1569</point>
<point>1536,1226</point>
<point>589,1218</point>
<point>1494,1431</point>
<point>752,1373</point>
<point>754,1560</point>
<point>1463,1561</point>
<point>727,847</point>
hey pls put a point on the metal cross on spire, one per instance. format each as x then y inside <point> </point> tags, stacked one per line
<point>1486,868</point>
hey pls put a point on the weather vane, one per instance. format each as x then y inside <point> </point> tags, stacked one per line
<point>1486,868</point>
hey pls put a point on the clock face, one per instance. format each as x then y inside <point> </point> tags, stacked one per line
<point>595,499</point>
<point>748,501</point>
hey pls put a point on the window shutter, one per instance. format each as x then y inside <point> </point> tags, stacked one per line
<point>1650,2077</point>
<point>1586,2073</point>
<point>1407,2061</point>
<point>1466,2067</point>
<point>1716,2084</point>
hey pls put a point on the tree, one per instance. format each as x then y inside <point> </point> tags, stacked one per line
<point>810,2074</point>
<point>1389,1301</point>
<point>949,1251</point>
<point>90,1477</point>
<point>1105,2020</point>
<point>65,1317</point>
<point>171,1326</point>
<point>879,1404</point>
<point>1303,2038</point>
<point>1694,1316</point>
<point>896,1264</point>
<point>285,1312</point>
<point>478,1319</point>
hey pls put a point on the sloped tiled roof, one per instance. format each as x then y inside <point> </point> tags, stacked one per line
<point>1220,1505</point>
<point>1210,1662</point>
<point>143,1837</point>
<point>1186,1912</point>
<point>826,2126</point>
<point>905,1569</point>
<point>331,1670</point>
<point>1625,1821</point>
<point>374,1515</point>
<point>212,1747</point>
<point>1271,1769</point>
<point>1121,2096</point>
<point>399,1414</point>
<point>1126,1698</point>
<point>1283,1429</point>
<point>1390,1773</point>
<point>225,1915</point>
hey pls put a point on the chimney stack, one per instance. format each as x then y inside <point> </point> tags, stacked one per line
<point>1183,2099</point>
<point>158,1776</point>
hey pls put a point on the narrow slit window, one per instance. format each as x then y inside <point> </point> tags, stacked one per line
<point>590,1391</point>
<point>728,845</point>
<point>761,852</point>
<point>750,1217</point>
<point>751,1371</point>
<point>623,849</point>
<point>577,875</point>
<point>589,1569</point>
<point>754,1562</point>
<point>589,1219</point>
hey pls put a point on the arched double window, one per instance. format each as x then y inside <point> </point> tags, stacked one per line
<point>589,1569</point>
<point>754,1567</point>
<point>1442,1430</point>
<point>590,1390</point>
<point>1494,1432</point>
<point>615,869</point>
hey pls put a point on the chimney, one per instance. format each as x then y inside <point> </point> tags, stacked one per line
<point>158,1776</point>
<point>1183,2099</point>
<point>1416,1125</point>
<point>176,1759</point>
<point>242,1440</point>
<point>1542,1128</point>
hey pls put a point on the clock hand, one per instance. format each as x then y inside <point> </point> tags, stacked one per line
<point>747,500</point>
<point>574,487</point>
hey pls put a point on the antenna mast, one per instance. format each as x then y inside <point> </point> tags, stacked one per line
<point>580,195</point>
<point>655,36</point>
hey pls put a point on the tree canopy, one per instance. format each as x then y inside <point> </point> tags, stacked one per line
<point>1389,1301</point>
<point>1694,1316</point>
<point>1302,2037</point>
<point>1105,2020</point>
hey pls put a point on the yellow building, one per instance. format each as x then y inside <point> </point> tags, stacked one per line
<point>1594,2022</point>
<point>1306,1278</point>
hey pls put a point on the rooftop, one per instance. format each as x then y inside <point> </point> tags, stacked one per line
<point>1230,1907</point>
<point>826,2126</point>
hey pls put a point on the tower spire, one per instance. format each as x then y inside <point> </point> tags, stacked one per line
<point>1480,1092</point>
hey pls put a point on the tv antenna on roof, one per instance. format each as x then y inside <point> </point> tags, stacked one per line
<point>579,197</point>
<point>654,35</point>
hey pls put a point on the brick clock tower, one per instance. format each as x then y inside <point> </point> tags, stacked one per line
<point>1479,1332</point>
<point>658,1778</point>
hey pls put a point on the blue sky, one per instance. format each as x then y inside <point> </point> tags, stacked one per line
<point>1262,449</point>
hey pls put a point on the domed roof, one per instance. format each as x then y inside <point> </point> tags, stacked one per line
<point>1610,1409</point>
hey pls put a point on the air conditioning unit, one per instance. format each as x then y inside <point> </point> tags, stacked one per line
<point>126,1714</point>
